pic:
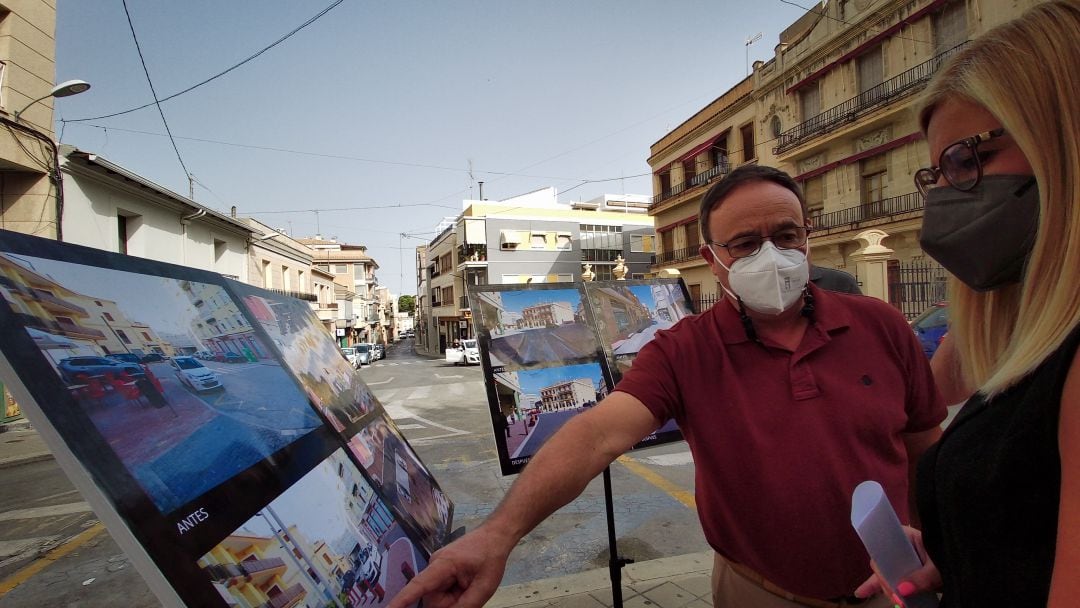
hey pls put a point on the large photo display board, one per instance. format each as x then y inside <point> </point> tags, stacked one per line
<point>216,429</point>
<point>551,351</point>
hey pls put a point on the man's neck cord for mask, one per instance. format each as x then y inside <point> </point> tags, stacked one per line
<point>748,323</point>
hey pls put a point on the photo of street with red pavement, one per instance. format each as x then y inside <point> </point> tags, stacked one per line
<point>328,540</point>
<point>533,404</point>
<point>403,479</point>
<point>124,346</point>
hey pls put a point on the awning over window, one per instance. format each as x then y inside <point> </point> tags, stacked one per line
<point>475,232</point>
<point>510,237</point>
<point>702,147</point>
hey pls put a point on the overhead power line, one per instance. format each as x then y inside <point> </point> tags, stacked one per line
<point>152,91</point>
<point>219,74</point>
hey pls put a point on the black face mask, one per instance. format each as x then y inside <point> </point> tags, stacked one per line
<point>984,236</point>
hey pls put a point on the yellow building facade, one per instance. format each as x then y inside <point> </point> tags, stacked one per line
<point>835,108</point>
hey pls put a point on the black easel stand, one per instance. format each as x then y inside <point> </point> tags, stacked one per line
<point>615,563</point>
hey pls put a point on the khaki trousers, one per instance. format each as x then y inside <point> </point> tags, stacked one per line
<point>731,589</point>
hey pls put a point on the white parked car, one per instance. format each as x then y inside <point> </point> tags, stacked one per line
<point>351,356</point>
<point>468,353</point>
<point>193,374</point>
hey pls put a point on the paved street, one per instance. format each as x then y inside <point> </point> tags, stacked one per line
<point>442,411</point>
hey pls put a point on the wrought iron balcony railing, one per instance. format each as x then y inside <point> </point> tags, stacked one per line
<point>887,207</point>
<point>677,255</point>
<point>299,295</point>
<point>698,180</point>
<point>891,90</point>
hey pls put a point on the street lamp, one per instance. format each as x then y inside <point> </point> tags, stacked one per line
<point>750,41</point>
<point>64,89</point>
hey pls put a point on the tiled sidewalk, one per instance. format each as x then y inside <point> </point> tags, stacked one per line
<point>671,582</point>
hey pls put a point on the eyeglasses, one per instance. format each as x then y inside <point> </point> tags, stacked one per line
<point>960,164</point>
<point>746,246</point>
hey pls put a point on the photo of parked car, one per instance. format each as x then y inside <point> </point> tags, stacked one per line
<point>95,366</point>
<point>126,357</point>
<point>229,357</point>
<point>152,358</point>
<point>930,327</point>
<point>194,375</point>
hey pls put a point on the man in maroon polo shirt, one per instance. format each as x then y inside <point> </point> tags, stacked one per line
<point>789,396</point>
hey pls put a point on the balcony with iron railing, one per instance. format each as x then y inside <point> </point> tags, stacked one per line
<point>700,179</point>
<point>677,255</point>
<point>287,597</point>
<point>299,295</point>
<point>65,328</point>
<point>845,219</point>
<point>52,302</point>
<point>893,89</point>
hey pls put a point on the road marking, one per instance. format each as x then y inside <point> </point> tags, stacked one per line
<point>53,511</point>
<point>17,547</point>
<point>421,392</point>
<point>438,375</point>
<point>387,381</point>
<point>411,426</point>
<point>397,411</point>
<point>24,574</point>
<point>668,460</point>
<point>673,490</point>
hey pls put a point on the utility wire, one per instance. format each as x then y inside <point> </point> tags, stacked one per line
<point>152,91</point>
<point>860,26</point>
<point>324,155</point>
<point>219,74</point>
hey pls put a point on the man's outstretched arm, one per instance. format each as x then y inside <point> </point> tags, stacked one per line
<point>467,572</point>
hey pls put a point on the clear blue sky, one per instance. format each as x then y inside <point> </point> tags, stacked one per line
<point>386,103</point>
<point>534,380</point>
<point>516,301</point>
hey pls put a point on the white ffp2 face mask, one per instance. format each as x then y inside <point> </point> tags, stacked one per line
<point>770,281</point>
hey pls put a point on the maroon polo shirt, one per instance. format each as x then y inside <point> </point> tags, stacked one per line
<point>780,439</point>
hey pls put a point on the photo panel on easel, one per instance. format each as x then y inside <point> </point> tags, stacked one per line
<point>163,368</point>
<point>542,362</point>
<point>627,315</point>
<point>329,381</point>
<point>329,540</point>
<point>534,325</point>
<point>404,481</point>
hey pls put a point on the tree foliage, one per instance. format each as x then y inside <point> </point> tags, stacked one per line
<point>407,304</point>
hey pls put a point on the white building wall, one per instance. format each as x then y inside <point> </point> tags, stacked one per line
<point>155,232</point>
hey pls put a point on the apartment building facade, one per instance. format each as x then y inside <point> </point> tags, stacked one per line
<point>834,108</point>
<point>530,238</point>
<point>30,195</point>
<point>354,274</point>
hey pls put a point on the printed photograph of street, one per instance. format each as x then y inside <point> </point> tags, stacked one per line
<point>536,326</point>
<point>327,541</point>
<point>164,368</point>
<point>534,404</point>
<point>628,316</point>
<point>404,480</point>
<point>311,354</point>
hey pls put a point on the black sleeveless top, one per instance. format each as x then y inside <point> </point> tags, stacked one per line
<point>988,492</point>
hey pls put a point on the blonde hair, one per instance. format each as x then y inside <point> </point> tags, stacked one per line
<point>1023,72</point>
